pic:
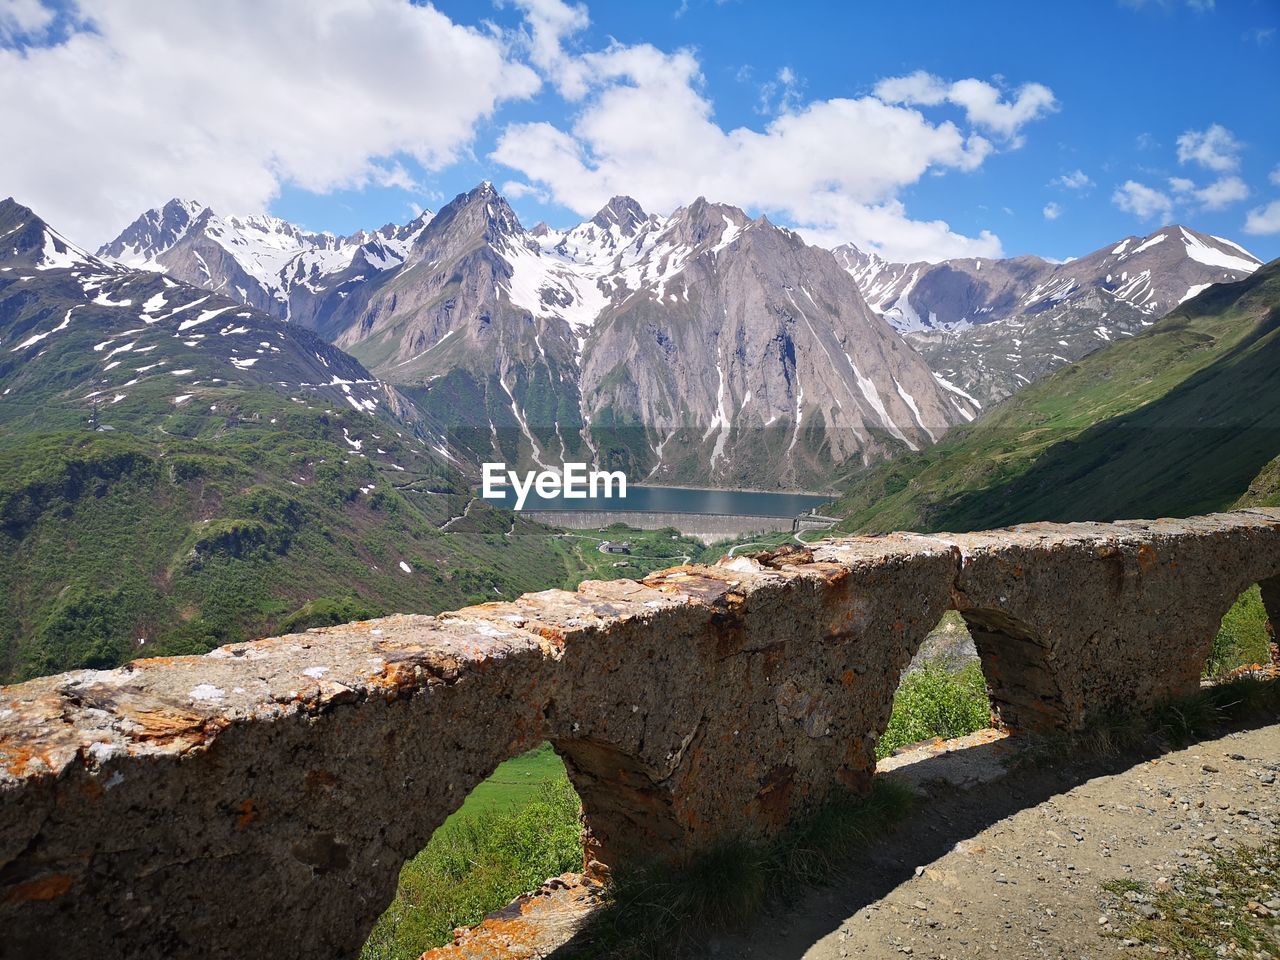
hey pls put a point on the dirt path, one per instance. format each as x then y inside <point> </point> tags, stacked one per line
<point>1014,868</point>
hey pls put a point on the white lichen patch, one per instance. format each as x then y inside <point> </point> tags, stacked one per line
<point>205,692</point>
<point>103,751</point>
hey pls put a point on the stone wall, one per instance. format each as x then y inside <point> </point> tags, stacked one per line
<point>260,800</point>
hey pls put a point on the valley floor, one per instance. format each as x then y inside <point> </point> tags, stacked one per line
<point>1015,868</point>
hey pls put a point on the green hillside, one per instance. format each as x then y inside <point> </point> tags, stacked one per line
<point>120,545</point>
<point>179,471</point>
<point>1175,421</point>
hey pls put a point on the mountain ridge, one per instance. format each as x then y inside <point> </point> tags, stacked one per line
<point>992,326</point>
<point>514,339</point>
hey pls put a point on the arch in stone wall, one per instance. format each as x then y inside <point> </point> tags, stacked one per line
<point>1085,620</point>
<point>1270,589</point>
<point>1021,682</point>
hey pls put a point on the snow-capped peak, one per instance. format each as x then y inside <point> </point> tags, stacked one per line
<point>27,240</point>
<point>156,231</point>
<point>259,257</point>
<point>622,212</point>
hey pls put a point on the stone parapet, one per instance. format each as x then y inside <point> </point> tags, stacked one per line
<point>260,800</point>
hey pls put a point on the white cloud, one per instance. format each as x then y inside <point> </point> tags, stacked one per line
<point>984,105</point>
<point>550,23</point>
<point>1215,148</point>
<point>1218,195</point>
<point>1052,211</point>
<point>1222,193</point>
<point>1075,180</point>
<point>228,101</point>
<point>1143,202</point>
<point>1275,176</point>
<point>1264,220</point>
<point>1198,6</point>
<point>23,18</point>
<point>516,190</point>
<point>832,168</point>
<point>781,94</point>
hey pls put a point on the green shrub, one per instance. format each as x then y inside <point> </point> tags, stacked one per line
<point>935,703</point>
<point>86,627</point>
<point>328,612</point>
<point>1243,638</point>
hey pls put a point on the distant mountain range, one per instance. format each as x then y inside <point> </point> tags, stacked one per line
<point>702,347</point>
<point>993,326</point>
<point>261,261</point>
<point>76,330</point>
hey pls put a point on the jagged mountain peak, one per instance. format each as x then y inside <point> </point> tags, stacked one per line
<point>704,224</point>
<point>27,241</point>
<point>260,259</point>
<point>481,210</point>
<point>622,211</point>
<point>155,231</point>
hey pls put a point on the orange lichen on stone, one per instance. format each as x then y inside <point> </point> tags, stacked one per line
<point>532,926</point>
<point>46,888</point>
<point>170,726</point>
<point>248,814</point>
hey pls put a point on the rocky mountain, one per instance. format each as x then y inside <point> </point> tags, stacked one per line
<point>1179,419</point>
<point>992,326</point>
<point>79,333</point>
<point>703,347</point>
<point>261,261</point>
<point>730,349</point>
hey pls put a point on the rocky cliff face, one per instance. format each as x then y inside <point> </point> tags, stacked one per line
<point>992,326</point>
<point>731,350</point>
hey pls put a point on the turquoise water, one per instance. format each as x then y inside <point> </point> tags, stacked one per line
<point>728,503</point>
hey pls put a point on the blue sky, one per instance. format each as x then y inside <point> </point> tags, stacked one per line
<point>918,129</point>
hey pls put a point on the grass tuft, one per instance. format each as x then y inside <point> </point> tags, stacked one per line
<point>1215,912</point>
<point>475,864</point>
